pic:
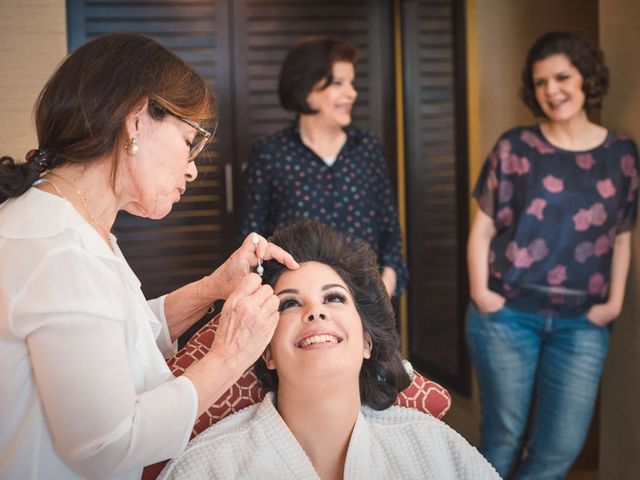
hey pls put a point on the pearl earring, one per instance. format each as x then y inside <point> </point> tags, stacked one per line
<point>132,147</point>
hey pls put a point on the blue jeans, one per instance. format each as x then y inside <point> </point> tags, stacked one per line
<point>526,361</point>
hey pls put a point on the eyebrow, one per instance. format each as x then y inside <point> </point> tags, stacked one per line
<point>324,288</point>
<point>562,72</point>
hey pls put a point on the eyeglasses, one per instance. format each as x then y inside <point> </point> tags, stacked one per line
<point>202,135</point>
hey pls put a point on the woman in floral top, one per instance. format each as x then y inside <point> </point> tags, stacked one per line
<point>548,258</point>
<point>321,167</point>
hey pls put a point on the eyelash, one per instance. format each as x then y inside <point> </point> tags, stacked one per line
<point>561,78</point>
<point>331,297</point>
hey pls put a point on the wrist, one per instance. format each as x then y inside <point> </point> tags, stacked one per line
<point>208,286</point>
<point>615,308</point>
<point>478,293</point>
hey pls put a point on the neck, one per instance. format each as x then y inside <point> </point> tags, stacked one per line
<point>324,138</point>
<point>321,417</point>
<point>577,133</point>
<point>87,188</point>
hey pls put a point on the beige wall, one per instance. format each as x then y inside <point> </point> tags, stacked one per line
<point>33,40</point>
<point>620,413</point>
<point>499,35</point>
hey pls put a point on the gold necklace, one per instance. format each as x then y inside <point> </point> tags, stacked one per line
<point>103,233</point>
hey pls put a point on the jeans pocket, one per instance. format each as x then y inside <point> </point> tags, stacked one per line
<point>489,315</point>
<point>494,312</point>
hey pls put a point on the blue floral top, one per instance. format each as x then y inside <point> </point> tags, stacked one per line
<point>286,181</point>
<point>557,214</point>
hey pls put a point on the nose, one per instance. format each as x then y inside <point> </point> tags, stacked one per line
<point>192,172</point>
<point>352,92</point>
<point>550,87</point>
<point>313,314</point>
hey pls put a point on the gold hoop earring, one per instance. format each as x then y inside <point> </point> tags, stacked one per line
<point>132,147</point>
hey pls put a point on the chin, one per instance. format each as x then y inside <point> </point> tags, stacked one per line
<point>157,213</point>
<point>344,121</point>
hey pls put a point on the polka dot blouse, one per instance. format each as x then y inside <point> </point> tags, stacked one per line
<point>557,215</point>
<point>286,181</point>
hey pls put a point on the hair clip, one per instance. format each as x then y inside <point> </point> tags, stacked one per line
<point>39,159</point>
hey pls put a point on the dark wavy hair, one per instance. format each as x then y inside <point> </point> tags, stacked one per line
<point>382,376</point>
<point>586,57</point>
<point>81,111</point>
<point>308,62</point>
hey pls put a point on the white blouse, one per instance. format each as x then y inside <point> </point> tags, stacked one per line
<point>84,388</point>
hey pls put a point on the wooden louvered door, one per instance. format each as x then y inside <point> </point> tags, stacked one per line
<point>437,184</point>
<point>263,32</point>
<point>196,236</point>
<point>238,46</point>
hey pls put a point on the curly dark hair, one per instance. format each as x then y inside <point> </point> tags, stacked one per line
<point>80,113</point>
<point>382,376</point>
<point>586,57</point>
<point>308,62</point>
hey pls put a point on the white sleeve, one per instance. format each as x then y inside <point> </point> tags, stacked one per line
<point>166,346</point>
<point>72,313</point>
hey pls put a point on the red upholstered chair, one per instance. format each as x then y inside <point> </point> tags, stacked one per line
<point>422,394</point>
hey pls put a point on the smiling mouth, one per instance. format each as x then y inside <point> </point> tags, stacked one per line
<point>557,103</point>
<point>318,339</point>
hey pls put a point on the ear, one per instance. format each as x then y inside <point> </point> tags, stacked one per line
<point>133,122</point>
<point>367,346</point>
<point>268,358</point>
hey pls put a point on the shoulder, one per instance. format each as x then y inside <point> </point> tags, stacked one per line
<point>416,433</point>
<point>620,142</point>
<point>233,426</point>
<point>525,133</point>
<point>38,227</point>
<point>217,449</point>
<point>358,136</point>
<point>365,147</point>
<point>276,139</point>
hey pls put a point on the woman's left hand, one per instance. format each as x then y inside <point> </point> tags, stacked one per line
<point>226,278</point>
<point>390,279</point>
<point>603,313</point>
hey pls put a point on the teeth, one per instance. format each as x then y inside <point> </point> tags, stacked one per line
<point>556,103</point>
<point>318,339</point>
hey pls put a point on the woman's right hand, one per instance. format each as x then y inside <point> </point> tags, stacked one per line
<point>247,322</point>
<point>488,301</point>
<point>226,278</point>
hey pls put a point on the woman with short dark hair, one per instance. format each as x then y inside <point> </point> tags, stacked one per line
<point>333,369</point>
<point>322,167</point>
<point>548,257</point>
<point>85,390</point>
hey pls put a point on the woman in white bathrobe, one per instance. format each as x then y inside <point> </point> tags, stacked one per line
<point>333,369</point>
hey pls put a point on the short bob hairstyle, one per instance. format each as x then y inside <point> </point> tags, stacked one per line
<point>588,59</point>
<point>308,62</point>
<point>382,376</point>
<point>81,112</point>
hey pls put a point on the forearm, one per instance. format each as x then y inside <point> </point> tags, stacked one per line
<point>214,374</point>
<point>185,306</point>
<point>482,231</point>
<point>390,279</point>
<point>619,270</point>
